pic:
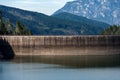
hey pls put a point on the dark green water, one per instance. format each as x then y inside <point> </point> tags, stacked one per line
<point>61,68</point>
<point>73,61</point>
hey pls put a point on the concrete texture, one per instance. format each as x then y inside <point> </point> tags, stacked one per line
<point>63,45</point>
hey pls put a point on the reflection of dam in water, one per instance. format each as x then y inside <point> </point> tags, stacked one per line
<point>64,45</point>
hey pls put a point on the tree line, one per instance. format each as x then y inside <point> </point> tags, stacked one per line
<point>6,28</point>
<point>112,30</point>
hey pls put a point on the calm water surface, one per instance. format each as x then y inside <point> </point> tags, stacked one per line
<point>40,71</point>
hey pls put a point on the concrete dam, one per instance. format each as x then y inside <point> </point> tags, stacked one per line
<point>72,51</point>
<point>62,45</point>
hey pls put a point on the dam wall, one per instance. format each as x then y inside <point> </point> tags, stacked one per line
<point>63,45</point>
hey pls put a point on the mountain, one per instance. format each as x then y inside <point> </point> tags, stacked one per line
<point>80,19</point>
<point>41,24</point>
<point>101,10</point>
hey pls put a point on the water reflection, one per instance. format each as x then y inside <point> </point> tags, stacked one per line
<point>73,61</point>
<point>38,71</point>
<point>61,68</point>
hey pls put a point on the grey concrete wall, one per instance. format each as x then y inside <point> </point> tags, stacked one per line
<point>63,45</point>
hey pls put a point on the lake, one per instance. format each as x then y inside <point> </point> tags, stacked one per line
<point>41,71</point>
<point>61,68</point>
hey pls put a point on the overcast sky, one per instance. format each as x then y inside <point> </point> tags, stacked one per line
<point>43,6</point>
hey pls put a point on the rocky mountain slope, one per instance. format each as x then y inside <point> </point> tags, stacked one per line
<point>101,10</point>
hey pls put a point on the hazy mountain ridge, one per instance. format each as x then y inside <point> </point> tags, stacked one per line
<point>41,24</point>
<point>80,19</point>
<point>101,10</point>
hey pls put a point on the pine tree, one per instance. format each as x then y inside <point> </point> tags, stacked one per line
<point>6,29</point>
<point>8,26</point>
<point>20,29</point>
<point>1,23</point>
<point>3,30</point>
<point>112,30</point>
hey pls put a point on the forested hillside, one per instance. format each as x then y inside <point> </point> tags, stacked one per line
<point>41,24</point>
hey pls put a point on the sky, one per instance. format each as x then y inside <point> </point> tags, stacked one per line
<point>47,7</point>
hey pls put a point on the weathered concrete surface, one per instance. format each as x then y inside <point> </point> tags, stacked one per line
<point>63,45</point>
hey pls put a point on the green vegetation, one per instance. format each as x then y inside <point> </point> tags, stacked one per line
<point>60,24</point>
<point>7,28</point>
<point>80,19</point>
<point>2,26</point>
<point>20,29</point>
<point>112,30</point>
